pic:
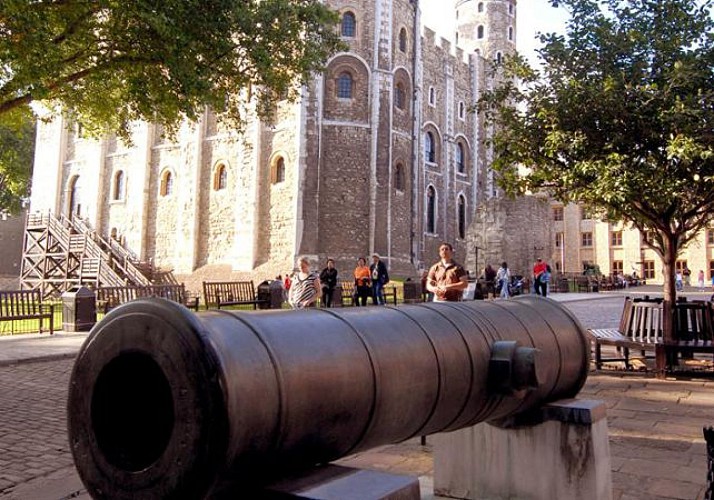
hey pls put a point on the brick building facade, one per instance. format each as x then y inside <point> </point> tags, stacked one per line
<point>380,154</point>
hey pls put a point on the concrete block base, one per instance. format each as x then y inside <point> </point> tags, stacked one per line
<point>562,452</point>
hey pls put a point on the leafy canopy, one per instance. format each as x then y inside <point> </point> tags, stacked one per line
<point>114,61</point>
<point>110,62</point>
<point>619,117</point>
<point>17,141</point>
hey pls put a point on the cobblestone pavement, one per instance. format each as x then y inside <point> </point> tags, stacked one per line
<point>655,429</point>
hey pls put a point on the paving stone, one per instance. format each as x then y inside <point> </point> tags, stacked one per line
<point>674,489</point>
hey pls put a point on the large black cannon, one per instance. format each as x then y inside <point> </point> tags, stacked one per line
<point>165,403</point>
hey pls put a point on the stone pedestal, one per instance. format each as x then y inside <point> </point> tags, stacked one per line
<point>561,451</point>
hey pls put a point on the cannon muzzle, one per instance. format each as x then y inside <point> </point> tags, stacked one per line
<point>165,403</point>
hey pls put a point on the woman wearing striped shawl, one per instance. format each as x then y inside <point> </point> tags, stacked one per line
<point>305,287</point>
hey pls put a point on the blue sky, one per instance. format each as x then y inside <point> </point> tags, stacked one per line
<point>532,16</point>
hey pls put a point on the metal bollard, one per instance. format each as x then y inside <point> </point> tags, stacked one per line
<point>165,403</point>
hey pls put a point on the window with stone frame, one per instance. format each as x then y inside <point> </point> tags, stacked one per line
<point>586,239</point>
<point>278,170</point>
<point>710,236</point>
<point>480,32</point>
<point>399,177</point>
<point>680,266</point>
<point>585,213</point>
<point>557,213</point>
<point>432,96</point>
<point>479,8</point>
<point>559,238</point>
<point>648,237</point>
<point>648,269</point>
<point>400,96</point>
<point>459,158</point>
<point>461,217</point>
<point>431,210</point>
<point>166,187</point>
<point>711,269</point>
<point>616,238</point>
<point>403,40</point>
<point>119,186</point>
<point>510,33</point>
<point>348,25</point>
<point>429,147</point>
<point>499,57</point>
<point>462,110</point>
<point>617,267</point>
<point>345,85</point>
<point>220,177</point>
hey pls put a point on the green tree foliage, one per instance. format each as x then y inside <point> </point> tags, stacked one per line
<point>17,141</point>
<point>112,62</point>
<point>620,117</point>
<point>107,63</point>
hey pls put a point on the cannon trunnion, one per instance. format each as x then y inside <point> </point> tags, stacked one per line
<point>165,403</point>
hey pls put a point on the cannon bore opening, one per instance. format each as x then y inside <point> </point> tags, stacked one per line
<point>132,411</point>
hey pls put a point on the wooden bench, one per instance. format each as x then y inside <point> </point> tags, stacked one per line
<point>109,297</point>
<point>231,293</point>
<point>641,327</point>
<point>25,304</point>
<point>348,293</point>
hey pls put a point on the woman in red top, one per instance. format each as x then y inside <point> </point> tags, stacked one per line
<point>363,284</point>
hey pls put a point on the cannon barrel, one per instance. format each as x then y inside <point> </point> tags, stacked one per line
<point>165,403</point>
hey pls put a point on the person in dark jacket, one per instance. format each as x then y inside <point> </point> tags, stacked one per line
<point>328,280</point>
<point>380,277</point>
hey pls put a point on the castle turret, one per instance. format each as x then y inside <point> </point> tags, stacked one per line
<point>486,26</point>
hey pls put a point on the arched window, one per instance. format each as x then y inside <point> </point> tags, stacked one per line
<point>461,217</point>
<point>403,40</point>
<point>279,170</point>
<point>479,32</point>
<point>220,177</point>
<point>119,186</point>
<point>499,57</point>
<point>349,25</point>
<point>167,183</point>
<point>431,210</point>
<point>344,86</point>
<point>459,153</point>
<point>400,96</point>
<point>480,6</point>
<point>429,147</point>
<point>399,177</point>
<point>74,207</point>
<point>510,33</point>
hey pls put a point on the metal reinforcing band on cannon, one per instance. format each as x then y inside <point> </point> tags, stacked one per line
<point>165,403</point>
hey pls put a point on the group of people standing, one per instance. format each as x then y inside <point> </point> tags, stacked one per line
<point>306,286</point>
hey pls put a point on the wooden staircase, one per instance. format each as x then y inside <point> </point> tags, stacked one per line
<point>61,253</point>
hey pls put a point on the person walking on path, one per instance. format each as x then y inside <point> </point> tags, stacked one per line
<point>363,286</point>
<point>489,274</point>
<point>328,280</point>
<point>380,277</point>
<point>539,268</point>
<point>503,278</point>
<point>305,287</point>
<point>446,279</point>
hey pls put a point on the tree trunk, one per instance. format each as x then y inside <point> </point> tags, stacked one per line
<point>669,259</point>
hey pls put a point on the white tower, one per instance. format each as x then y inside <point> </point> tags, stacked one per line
<point>486,26</point>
